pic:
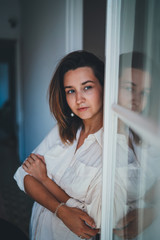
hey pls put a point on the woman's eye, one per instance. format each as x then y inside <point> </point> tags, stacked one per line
<point>70,91</point>
<point>87,87</point>
<point>129,89</point>
<point>145,94</point>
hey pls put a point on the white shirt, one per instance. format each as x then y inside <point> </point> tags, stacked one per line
<point>78,173</point>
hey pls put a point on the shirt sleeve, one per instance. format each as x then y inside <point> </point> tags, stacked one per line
<point>41,149</point>
<point>92,203</point>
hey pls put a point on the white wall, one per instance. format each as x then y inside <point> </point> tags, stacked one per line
<point>43,45</point>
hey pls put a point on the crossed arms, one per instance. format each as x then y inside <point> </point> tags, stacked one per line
<point>47,193</point>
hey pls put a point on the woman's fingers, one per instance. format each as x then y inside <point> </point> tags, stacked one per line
<point>77,221</point>
<point>126,220</point>
<point>89,226</point>
<point>29,162</point>
<point>32,159</point>
<point>88,220</point>
<point>41,157</point>
<point>35,167</point>
<point>34,156</point>
<point>26,165</point>
<point>119,233</point>
<point>89,232</point>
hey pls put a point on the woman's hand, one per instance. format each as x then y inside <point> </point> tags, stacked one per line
<point>36,167</point>
<point>78,222</point>
<point>134,223</point>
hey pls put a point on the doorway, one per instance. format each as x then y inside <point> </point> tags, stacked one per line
<point>94,23</point>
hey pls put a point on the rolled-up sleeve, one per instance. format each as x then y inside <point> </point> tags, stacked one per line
<point>19,177</point>
<point>42,148</point>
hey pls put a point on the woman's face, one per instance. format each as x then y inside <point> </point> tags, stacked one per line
<point>134,89</point>
<point>84,93</point>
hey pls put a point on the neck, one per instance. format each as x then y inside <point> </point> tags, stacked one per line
<point>90,127</point>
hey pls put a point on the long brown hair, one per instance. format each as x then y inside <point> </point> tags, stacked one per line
<point>68,125</point>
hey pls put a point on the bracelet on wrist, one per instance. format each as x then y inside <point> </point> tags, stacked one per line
<point>61,204</point>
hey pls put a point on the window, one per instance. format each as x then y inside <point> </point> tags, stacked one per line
<point>131,158</point>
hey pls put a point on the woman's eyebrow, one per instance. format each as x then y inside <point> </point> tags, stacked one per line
<point>88,81</point>
<point>83,83</point>
<point>128,82</point>
<point>68,87</point>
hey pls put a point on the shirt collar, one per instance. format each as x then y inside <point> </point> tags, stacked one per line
<point>99,136</point>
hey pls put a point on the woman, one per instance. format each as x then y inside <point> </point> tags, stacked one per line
<point>63,174</point>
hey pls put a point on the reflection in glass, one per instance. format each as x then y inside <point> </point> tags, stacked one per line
<point>137,179</point>
<point>136,211</point>
<point>137,188</point>
<point>140,32</point>
<point>135,76</point>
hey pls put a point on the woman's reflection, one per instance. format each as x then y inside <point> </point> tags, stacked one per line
<point>136,166</point>
<point>134,81</point>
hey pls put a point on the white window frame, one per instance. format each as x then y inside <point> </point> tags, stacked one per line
<point>110,119</point>
<point>112,111</point>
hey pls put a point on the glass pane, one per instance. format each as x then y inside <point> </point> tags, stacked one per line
<point>139,73</point>
<point>136,210</point>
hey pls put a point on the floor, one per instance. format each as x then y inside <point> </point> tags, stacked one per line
<point>15,205</point>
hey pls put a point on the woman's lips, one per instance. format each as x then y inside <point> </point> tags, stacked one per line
<point>82,109</point>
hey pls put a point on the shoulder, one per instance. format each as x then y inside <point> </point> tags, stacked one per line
<point>53,134</point>
<point>51,138</point>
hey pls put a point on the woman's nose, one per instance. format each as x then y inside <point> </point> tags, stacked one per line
<point>79,97</point>
<point>137,97</point>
